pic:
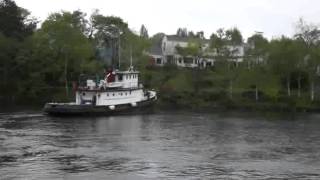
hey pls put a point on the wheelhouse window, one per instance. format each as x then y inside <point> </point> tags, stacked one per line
<point>120,77</point>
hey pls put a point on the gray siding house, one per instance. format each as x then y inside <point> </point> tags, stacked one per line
<point>165,52</point>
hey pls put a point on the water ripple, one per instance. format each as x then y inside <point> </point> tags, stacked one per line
<point>180,145</point>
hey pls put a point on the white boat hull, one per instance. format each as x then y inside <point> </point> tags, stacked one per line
<point>63,109</point>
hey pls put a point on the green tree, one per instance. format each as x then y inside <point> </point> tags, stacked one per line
<point>257,51</point>
<point>217,43</point>
<point>8,66</point>
<point>313,69</point>
<point>15,26</point>
<point>234,42</point>
<point>102,26</point>
<point>284,58</point>
<point>234,36</point>
<point>63,38</point>
<point>114,33</point>
<point>309,35</point>
<point>15,22</point>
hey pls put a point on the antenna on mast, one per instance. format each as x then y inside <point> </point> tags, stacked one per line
<point>131,57</point>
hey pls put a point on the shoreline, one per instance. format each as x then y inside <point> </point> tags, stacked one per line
<point>216,107</point>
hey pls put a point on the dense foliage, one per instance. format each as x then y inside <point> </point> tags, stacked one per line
<point>39,64</point>
<point>279,74</point>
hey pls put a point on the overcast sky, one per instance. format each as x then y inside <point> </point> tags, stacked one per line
<point>273,17</point>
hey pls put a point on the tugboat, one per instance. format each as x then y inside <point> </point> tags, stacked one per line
<point>119,92</point>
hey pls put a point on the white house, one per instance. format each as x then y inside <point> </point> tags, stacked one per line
<point>165,52</point>
<point>171,56</point>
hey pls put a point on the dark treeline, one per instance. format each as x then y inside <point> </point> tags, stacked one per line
<point>39,64</point>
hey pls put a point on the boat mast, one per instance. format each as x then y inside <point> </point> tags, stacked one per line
<point>119,47</point>
<point>130,56</point>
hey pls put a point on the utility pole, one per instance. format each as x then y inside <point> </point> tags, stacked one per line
<point>119,46</point>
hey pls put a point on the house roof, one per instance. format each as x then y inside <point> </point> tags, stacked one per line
<point>156,49</point>
<point>185,39</point>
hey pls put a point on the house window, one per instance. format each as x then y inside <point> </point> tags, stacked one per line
<point>159,61</point>
<point>188,60</point>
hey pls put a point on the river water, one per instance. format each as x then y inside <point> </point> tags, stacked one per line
<point>164,145</point>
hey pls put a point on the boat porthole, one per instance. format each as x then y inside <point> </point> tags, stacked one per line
<point>83,94</point>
